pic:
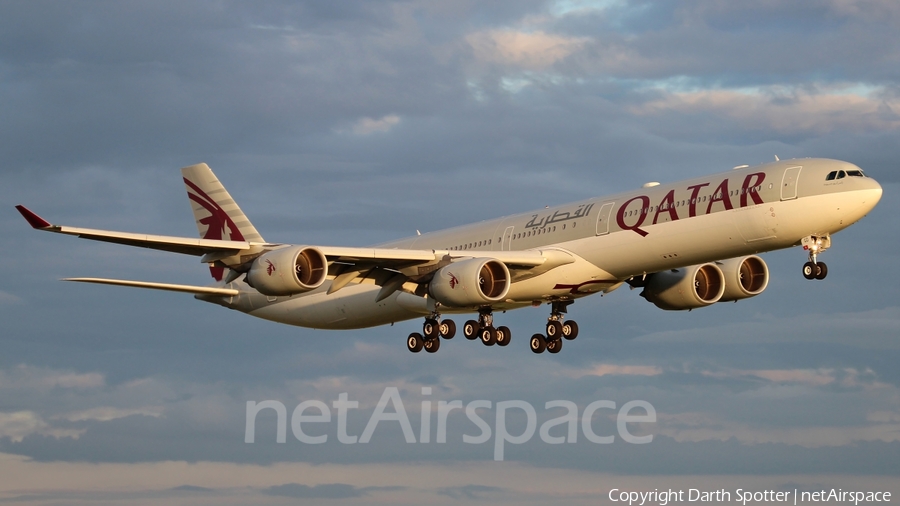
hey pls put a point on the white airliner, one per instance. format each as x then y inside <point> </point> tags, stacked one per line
<point>687,244</point>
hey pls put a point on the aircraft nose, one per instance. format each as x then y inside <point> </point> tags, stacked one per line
<point>872,192</point>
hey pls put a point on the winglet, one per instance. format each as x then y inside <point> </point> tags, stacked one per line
<point>34,220</point>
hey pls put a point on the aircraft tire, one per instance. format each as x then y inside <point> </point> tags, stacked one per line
<point>538,343</point>
<point>503,335</point>
<point>470,330</point>
<point>809,270</point>
<point>430,329</point>
<point>570,330</point>
<point>554,346</point>
<point>415,342</point>
<point>821,270</point>
<point>488,336</point>
<point>433,345</point>
<point>554,330</point>
<point>448,329</point>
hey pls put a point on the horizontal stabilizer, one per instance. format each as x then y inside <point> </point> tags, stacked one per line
<point>208,290</point>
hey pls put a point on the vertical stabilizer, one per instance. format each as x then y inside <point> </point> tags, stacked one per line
<point>217,215</point>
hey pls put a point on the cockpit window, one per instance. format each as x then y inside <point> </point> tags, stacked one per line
<point>830,176</point>
<point>841,174</point>
<point>855,173</point>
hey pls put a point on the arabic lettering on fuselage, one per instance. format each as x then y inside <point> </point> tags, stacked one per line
<point>668,204</point>
<point>558,216</point>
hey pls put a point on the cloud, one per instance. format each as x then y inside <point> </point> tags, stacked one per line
<point>529,51</point>
<point>469,492</point>
<point>873,329</point>
<point>615,369</point>
<point>368,126</point>
<point>8,298</point>
<point>786,112</point>
<point>17,425</point>
<point>697,427</point>
<point>106,413</point>
<point>29,377</point>
<point>324,491</point>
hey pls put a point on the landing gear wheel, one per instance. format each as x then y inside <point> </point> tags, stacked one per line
<point>470,330</point>
<point>538,343</point>
<point>415,342</point>
<point>810,270</point>
<point>430,329</point>
<point>570,330</point>
<point>821,270</point>
<point>488,336</point>
<point>554,330</point>
<point>448,329</point>
<point>554,346</point>
<point>432,345</point>
<point>503,335</point>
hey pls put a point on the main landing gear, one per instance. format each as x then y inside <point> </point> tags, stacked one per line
<point>557,329</point>
<point>484,329</point>
<point>814,269</point>
<point>433,329</point>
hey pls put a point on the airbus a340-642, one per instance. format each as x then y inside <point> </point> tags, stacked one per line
<point>687,245</point>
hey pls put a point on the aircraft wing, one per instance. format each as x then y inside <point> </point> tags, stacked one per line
<point>184,245</point>
<point>352,262</point>
<point>384,257</point>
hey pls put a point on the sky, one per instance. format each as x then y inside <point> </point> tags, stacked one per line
<point>353,123</point>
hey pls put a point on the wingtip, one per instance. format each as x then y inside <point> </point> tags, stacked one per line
<point>34,220</point>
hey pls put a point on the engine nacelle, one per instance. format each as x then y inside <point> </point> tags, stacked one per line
<point>685,288</point>
<point>744,277</point>
<point>473,282</point>
<point>287,271</point>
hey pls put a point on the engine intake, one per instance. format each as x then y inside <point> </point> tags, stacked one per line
<point>287,271</point>
<point>685,288</point>
<point>472,282</point>
<point>744,277</point>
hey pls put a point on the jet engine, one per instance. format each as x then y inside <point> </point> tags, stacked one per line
<point>287,271</point>
<point>685,288</point>
<point>472,282</point>
<point>744,277</point>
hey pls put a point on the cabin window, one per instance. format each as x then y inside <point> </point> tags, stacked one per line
<point>564,226</point>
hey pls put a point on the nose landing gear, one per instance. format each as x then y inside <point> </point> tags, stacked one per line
<point>813,269</point>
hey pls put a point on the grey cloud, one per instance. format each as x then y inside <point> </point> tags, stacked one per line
<point>469,492</point>
<point>322,491</point>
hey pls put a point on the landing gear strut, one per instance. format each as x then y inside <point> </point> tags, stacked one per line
<point>557,329</point>
<point>813,269</point>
